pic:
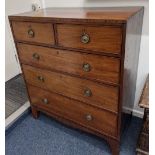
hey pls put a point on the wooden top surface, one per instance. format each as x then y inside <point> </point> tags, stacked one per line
<point>144,101</point>
<point>119,14</point>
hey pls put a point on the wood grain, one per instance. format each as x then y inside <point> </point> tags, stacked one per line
<point>34,111</point>
<point>75,111</point>
<point>114,41</point>
<point>76,125</point>
<point>102,38</point>
<point>103,69</point>
<point>102,96</point>
<point>43,32</point>
<point>109,15</point>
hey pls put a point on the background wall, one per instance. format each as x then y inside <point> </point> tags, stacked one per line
<point>17,6</point>
<point>143,67</point>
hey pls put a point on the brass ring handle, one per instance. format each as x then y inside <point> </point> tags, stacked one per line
<point>87,92</point>
<point>40,78</point>
<point>30,33</point>
<point>36,56</point>
<point>45,100</point>
<point>89,117</point>
<point>86,67</point>
<point>85,38</point>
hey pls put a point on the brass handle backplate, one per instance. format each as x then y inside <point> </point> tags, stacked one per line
<point>40,78</point>
<point>85,38</point>
<point>30,33</point>
<point>86,67</point>
<point>89,117</point>
<point>36,56</point>
<point>45,100</point>
<point>87,92</point>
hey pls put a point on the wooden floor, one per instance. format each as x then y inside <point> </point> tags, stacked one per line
<point>15,95</point>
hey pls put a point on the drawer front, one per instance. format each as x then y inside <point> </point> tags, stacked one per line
<point>100,68</point>
<point>96,38</point>
<point>33,32</point>
<point>75,111</point>
<point>76,88</point>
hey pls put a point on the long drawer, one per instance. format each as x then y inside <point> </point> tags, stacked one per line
<point>34,32</point>
<point>106,39</point>
<point>94,67</point>
<point>75,111</point>
<point>87,91</point>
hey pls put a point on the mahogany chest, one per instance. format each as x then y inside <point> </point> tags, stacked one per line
<point>80,64</point>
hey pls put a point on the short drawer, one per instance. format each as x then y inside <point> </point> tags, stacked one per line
<point>94,67</point>
<point>75,111</point>
<point>105,39</point>
<point>33,32</point>
<point>103,96</point>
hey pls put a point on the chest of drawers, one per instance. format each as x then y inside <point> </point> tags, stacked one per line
<point>80,65</point>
